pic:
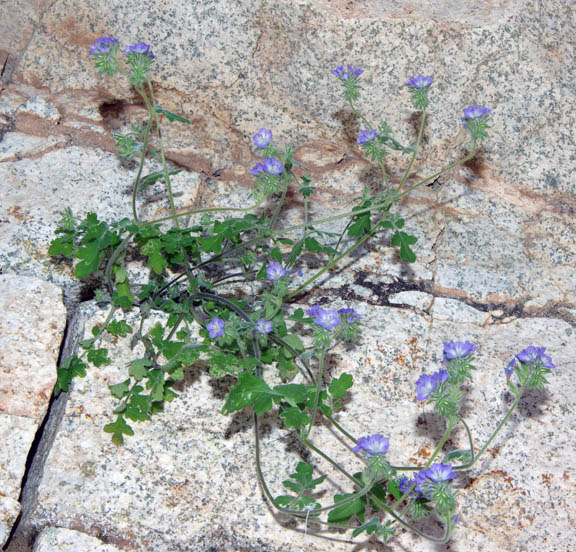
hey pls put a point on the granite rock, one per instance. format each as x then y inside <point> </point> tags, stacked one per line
<point>31,328</point>
<point>496,251</point>
<point>56,539</point>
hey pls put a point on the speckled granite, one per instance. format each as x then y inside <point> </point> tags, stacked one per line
<point>496,251</point>
<point>185,469</point>
<point>65,540</point>
<point>31,324</point>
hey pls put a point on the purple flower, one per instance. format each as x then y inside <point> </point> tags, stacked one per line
<point>272,165</point>
<point>436,473</point>
<point>314,311</point>
<point>441,376</point>
<point>351,314</point>
<point>458,349</point>
<point>440,472</point>
<point>426,384</point>
<point>509,370</point>
<point>424,387</point>
<point>215,327</point>
<point>257,169</point>
<point>366,136</point>
<point>103,45</point>
<point>372,445</point>
<point>139,48</point>
<point>262,138</point>
<point>344,75</point>
<point>535,354</point>
<point>404,484</point>
<point>419,82</point>
<point>475,112</point>
<point>275,271</point>
<point>327,319</point>
<point>263,326</point>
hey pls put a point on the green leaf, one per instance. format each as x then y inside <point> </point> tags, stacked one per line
<point>303,479</point>
<point>249,389</point>
<point>156,261</point>
<point>404,241</point>
<point>362,223</point>
<point>295,253</point>
<point>68,370</point>
<point>294,417</point>
<point>343,513</point>
<point>360,227</point>
<point>62,246</point>
<point>213,244</point>
<point>298,315</point>
<point>306,191</point>
<point>369,527</point>
<point>262,403</point>
<point>153,177</point>
<point>120,390</point>
<point>276,254</point>
<point>171,116</point>
<point>96,239</point>
<point>293,393</point>
<point>340,386</point>
<point>462,456</point>
<point>312,244</point>
<point>98,357</point>
<point>156,384</point>
<point>119,327</point>
<point>139,368</point>
<point>222,364</point>
<point>283,500</point>
<point>121,300</point>
<point>139,407</point>
<point>295,342</point>
<point>286,368</point>
<point>118,429</point>
<point>393,487</point>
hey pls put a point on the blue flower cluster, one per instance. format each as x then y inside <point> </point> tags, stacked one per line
<point>262,138</point>
<point>347,74</point>
<point>530,355</point>
<point>427,384</point>
<point>426,480</point>
<point>372,445</point>
<point>453,351</point>
<point>366,136</point>
<point>103,45</point>
<point>139,57</point>
<point>275,271</point>
<point>329,318</point>
<point>216,327</point>
<point>419,82</point>
<point>270,165</point>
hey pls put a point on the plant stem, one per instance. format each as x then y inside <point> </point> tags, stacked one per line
<point>419,139</point>
<point>487,444</point>
<point>308,430</point>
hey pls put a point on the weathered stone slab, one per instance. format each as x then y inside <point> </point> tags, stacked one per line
<point>56,539</point>
<point>495,232</point>
<point>496,244</point>
<point>191,469</point>
<point>33,319</point>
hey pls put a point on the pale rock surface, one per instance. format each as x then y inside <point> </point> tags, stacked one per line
<point>191,468</point>
<point>31,326</point>
<point>56,539</point>
<point>496,252</point>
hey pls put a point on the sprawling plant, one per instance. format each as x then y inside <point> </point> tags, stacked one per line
<point>277,352</point>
